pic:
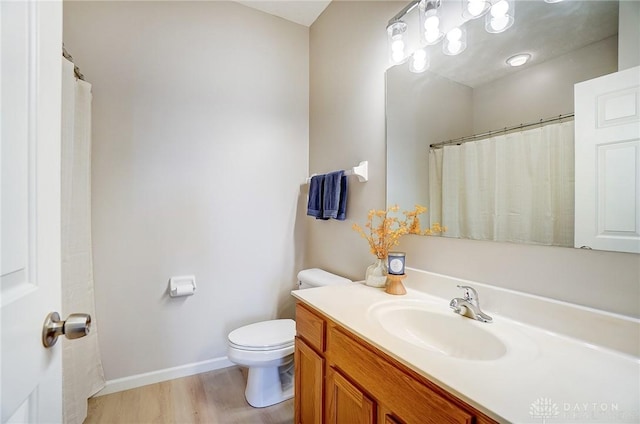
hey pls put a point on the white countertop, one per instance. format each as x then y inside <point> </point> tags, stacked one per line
<point>541,375</point>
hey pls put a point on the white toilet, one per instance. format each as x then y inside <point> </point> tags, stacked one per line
<point>266,348</point>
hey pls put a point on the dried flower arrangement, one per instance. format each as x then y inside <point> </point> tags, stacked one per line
<point>386,234</point>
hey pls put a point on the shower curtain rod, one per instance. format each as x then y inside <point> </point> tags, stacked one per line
<point>76,70</point>
<point>504,130</point>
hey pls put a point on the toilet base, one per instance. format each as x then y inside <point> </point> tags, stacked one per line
<point>265,386</point>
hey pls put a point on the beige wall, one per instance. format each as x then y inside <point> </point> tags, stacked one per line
<point>200,143</point>
<point>347,124</point>
<point>420,109</point>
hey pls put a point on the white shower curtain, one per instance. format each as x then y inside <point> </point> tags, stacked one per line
<point>517,187</point>
<point>82,374</point>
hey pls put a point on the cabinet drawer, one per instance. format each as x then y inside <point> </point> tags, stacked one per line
<point>401,393</point>
<point>310,327</point>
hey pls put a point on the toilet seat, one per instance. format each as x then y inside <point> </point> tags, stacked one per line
<point>264,336</point>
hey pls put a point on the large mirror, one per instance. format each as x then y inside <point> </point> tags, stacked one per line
<point>506,132</point>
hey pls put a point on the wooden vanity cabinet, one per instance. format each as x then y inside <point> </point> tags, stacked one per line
<point>341,379</point>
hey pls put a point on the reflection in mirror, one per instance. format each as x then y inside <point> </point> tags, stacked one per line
<point>458,134</point>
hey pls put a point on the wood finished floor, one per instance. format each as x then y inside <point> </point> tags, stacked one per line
<point>212,397</point>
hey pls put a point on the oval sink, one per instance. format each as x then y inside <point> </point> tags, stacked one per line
<point>422,325</point>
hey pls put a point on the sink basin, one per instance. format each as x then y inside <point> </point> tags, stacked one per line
<point>428,326</point>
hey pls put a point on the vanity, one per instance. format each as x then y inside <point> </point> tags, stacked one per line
<point>364,356</point>
<point>341,378</point>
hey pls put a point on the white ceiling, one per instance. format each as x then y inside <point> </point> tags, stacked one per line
<point>303,12</point>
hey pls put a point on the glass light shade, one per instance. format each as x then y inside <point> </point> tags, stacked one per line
<point>419,61</point>
<point>455,41</point>
<point>397,46</point>
<point>429,14</point>
<point>500,16</point>
<point>473,9</point>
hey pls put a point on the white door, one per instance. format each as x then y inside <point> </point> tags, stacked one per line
<point>607,118</point>
<point>30,92</point>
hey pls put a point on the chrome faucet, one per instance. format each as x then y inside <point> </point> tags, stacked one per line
<point>468,305</point>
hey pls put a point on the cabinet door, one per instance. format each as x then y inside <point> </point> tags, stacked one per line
<point>309,368</point>
<point>346,403</point>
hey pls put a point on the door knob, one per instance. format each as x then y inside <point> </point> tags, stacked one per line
<point>76,326</point>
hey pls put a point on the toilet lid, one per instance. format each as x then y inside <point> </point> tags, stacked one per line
<point>264,335</point>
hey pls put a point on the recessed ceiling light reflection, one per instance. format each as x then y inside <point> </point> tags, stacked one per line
<point>519,59</point>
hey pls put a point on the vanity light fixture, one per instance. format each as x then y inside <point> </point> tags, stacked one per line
<point>455,41</point>
<point>473,9</point>
<point>500,17</point>
<point>519,59</point>
<point>552,1</point>
<point>419,61</point>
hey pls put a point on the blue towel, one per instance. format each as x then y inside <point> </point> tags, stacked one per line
<point>331,194</point>
<point>314,204</point>
<point>342,206</point>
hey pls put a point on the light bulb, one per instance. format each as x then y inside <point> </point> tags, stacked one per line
<point>500,9</point>
<point>432,32</point>
<point>475,7</point>
<point>397,56</point>
<point>420,55</point>
<point>454,47</point>
<point>419,61</point>
<point>432,23</point>
<point>397,46</point>
<point>499,23</point>
<point>419,66</point>
<point>501,17</point>
<point>454,35</point>
<point>431,36</point>
<point>455,42</point>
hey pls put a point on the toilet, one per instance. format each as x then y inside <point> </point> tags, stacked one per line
<point>266,348</point>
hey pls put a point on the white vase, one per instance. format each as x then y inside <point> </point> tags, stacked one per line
<point>376,275</point>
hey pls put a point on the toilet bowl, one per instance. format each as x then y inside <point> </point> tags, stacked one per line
<point>266,348</point>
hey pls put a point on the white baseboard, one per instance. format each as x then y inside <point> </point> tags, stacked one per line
<point>138,380</point>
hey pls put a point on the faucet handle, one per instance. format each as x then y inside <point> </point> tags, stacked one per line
<point>470,294</point>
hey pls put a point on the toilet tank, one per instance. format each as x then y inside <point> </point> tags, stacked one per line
<point>316,277</point>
